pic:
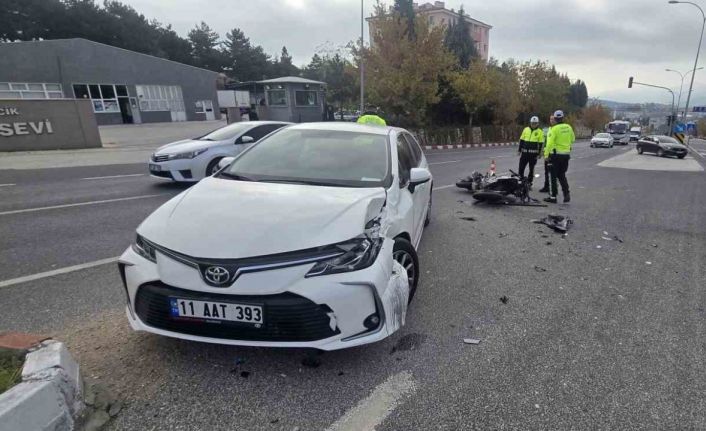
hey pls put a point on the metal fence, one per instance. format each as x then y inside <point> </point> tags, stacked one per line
<point>479,135</point>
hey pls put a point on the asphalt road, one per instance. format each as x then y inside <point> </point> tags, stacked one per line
<point>596,333</point>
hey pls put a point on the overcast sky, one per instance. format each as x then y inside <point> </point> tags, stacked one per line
<point>602,42</point>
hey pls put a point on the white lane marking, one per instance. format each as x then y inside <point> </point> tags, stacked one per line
<point>372,410</point>
<point>54,272</point>
<point>29,210</point>
<point>7,185</point>
<point>113,176</point>
<point>443,163</point>
<point>443,187</point>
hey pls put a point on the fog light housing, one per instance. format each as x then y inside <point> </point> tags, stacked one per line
<point>372,321</point>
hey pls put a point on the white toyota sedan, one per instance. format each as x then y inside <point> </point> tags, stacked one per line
<point>191,160</point>
<point>306,239</point>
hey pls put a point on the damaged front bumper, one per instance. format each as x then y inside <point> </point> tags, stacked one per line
<point>326,312</point>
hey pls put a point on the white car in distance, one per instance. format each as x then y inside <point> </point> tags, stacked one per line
<point>191,160</point>
<point>306,239</point>
<point>602,140</point>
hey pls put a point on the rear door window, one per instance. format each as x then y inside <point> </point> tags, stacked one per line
<point>405,160</point>
<point>260,132</point>
<point>415,150</point>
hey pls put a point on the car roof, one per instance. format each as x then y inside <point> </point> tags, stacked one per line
<point>346,127</point>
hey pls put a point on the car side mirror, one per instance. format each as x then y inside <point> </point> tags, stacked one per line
<point>246,140</point>
<point>418,176</point>
<point>225,162</point>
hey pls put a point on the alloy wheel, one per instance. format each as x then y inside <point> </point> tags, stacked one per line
<point>405,259</point>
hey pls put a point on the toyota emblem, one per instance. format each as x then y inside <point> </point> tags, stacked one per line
<point>217,275</point>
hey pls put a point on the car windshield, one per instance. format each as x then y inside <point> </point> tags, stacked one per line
<point>319,157</point>
<point>617,128</point>
<point>602,135</point>
<point>225,133</point>
<point>667,140</point>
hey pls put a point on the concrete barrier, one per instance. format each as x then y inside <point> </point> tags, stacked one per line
<point>53,124</point>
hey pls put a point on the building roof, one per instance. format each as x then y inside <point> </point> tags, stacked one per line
<point>290,80</point>
<point>102,45</point>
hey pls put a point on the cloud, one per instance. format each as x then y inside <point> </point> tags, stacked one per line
<point>600,41</point>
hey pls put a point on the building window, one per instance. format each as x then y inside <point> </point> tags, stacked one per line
<point>277,97</point>
<point>306,98</point>
<point>199,107</point>
<point>431,20</point>
<point>103,96</point>
<point>160,98</point>
<point>25,90</point>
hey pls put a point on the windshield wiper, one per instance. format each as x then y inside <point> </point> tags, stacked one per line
<point>305,182</point>
<point>235,176</point>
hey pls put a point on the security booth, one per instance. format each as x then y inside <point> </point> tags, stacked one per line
<point>290,98</point>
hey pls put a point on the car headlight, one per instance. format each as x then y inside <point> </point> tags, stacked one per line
<point>355,254</point>
<point>144,249</point>
<point>187,155</point>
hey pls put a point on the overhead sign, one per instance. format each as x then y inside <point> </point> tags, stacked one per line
<point>679,128</point>
<point>699,109</point>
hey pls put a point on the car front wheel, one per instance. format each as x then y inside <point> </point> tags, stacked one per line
<point>660,153</point>
<point>212,167</point>
<point>639,150</point>
<point>405,255</point>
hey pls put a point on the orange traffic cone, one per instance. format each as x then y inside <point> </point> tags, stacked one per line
<point>492,167</point>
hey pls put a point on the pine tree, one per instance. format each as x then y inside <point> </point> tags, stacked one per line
<point>459,42</point>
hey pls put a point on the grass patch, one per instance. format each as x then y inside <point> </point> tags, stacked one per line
<point>10,371</point>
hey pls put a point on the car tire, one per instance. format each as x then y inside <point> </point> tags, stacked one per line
<point>682,156</point>
<point>428,219</point>
<point>610,146</point>
<point>639,150</point>
<point>212,166</point>
<point>406,255</point>
<point>592,145</point>
<point>660,153</point>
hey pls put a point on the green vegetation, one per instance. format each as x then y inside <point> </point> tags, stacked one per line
<point>10,370</point>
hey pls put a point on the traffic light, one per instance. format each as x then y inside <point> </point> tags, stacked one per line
<point>630,82</point>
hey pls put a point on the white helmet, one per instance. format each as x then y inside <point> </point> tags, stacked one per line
<point>534,119</point>
<point>559,114</point>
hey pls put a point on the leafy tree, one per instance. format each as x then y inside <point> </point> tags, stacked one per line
<point>284,66</point>
<point>505,94</point>
<point>402,74</point>
<point>595,117</point>
<point>244,61</point>
<point>474,86</point>
<point>339,75</point>
<point>578,94</point>
<point>542,90</point>
<point>405,11</point>
<point>205,47</point>
<point>459,42</point>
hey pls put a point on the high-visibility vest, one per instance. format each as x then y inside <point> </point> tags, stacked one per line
<point>559,140</point>
<point>371,119</point>
<point>531,140</point>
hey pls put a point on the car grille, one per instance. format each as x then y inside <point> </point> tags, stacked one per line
<point>160,158</point>
<point>287,317</point>
<point>163,174</point>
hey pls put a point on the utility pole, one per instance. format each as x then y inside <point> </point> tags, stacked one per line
<point>362,62</point>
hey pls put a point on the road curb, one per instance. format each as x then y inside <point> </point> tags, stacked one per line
<point>49,396</point>
<point>464,146</point>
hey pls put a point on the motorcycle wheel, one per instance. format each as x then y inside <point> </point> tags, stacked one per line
<point>489,197</point>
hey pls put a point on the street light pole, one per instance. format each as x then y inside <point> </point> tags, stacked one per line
<point>681,86</point>
<point>362,62</point>
<point>696,62</point>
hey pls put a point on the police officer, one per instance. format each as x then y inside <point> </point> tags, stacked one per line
<point>558,152</point>
<point>370,116</point>
<point>547,165</point>
<point>531,142</point>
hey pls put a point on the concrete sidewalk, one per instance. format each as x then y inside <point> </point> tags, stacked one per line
<point>123,144</point>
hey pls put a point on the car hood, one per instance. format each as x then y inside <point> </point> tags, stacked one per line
<point>184,146</point>
<point>221,218</point>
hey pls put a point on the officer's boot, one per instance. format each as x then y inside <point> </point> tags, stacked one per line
<point>567,198</point>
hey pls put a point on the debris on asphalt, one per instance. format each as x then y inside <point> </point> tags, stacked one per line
<point>605,233</point>
<point>539,268</point>
<point>408,342</point>
<point>545,236</point>
<point>468,218</point>
<point>245,374</point>
<point>549,243</point>
<point>503,235</point>
<point>340,373</point>
<point>616,238</point>
<point>599,247</point>
<point>504,299</point>
<point>654,245</point>
<point>558,223</point>
<point>274,421</point>
<point>606,238</point>
<point>648,263</point>
<point>471,341</point>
